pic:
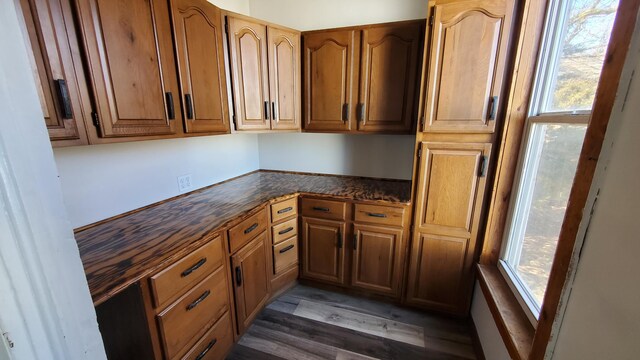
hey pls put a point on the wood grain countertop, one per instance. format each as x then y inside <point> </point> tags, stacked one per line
<point>119,251</point>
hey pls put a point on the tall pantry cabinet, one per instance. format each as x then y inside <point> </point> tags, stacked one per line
<point>463,85</point>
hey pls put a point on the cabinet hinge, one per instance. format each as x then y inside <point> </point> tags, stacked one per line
<point>95,119</point>
<point>420,150</point>
<point>431,20</point>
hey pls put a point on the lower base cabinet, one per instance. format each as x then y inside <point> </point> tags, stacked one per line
<point>323,252</point>
<point>251,281</point>
<point>376,264</point>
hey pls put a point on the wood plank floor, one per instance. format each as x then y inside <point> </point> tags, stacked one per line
<point>308,323</point>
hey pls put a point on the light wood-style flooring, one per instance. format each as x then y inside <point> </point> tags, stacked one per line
<point>309,323</point>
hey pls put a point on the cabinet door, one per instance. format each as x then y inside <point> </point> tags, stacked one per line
<point>330,77</point>
<point>451,187</point>
<point>51,34</point>
<point>388,77</point>
<point>466,65</point>
<point>250,273</point>
<point>323,250</point>
<point>248,48</point>
<point>199,45</point>
<point>284,78</point>
<point>131,64</point>
<point>377,258</point>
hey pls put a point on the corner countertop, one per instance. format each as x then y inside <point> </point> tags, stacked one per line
<point>118,252</point>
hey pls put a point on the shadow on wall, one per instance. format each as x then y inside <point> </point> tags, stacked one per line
<point>382,156</point>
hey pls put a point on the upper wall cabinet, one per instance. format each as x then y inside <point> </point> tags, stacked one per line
<point>199,45</point>
<point>265,68</point>
<point>362,79</point>
<point>130,60</point>
<point>57,68</point>
<point>466,65</point>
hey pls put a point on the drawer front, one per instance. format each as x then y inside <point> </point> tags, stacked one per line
<point>285,230</point>
<point>284,209</point>
<point>215,343</point>
<point>177,278</point>
<point>251,227</point>
<point>193,312</point>
<point>324,209</point>
<point>377,214</point>
<point>285,254</point>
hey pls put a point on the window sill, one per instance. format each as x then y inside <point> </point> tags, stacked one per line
<point>511,320</point>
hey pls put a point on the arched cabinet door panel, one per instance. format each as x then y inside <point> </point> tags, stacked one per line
<point>330,76</point>
<point>389,77</point>
<point>199,46</point>
<point>284,78</point>
<point>249,69</point>
<point>129,55</point>
<point>466,67</point>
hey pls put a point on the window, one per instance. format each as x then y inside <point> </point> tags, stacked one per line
<point>575,40</point>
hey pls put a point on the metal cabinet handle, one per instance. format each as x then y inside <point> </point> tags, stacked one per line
<point>273,111</point>
<point>194,267</point>
<point>493,101</point>
<point>206,350</point>
<point>339,240</point>
<point>287,248</point>
<point>266,110</point>
<point>198,300</point>
<point>281,232</point>
<point>345,112</point>
<point>377,215</point>
<point>355,241</point>
<point>171,112</point>
<point>251,228</point>
<point>319,208</point>
<point>361,109</point>
<point>287,209</point>
<point>238,276</point>
<point>64,98</point>
<point>189,105</point>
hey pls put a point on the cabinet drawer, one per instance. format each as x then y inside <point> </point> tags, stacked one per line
<point>377,214</point>
<point>215,343</point>
<point>285,254</point>
<point>242,233</point>
<point>185,273</point>
<point>324,209</point>
<point>193,312</point>
<point>284,209</point>
<point>285,230</point>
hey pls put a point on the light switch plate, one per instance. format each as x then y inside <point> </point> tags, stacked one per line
<point>184,183</point>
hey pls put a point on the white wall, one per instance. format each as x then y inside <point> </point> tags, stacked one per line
<point>319,14</point>
<point>381,156</point>
<point>100,181</point>
<point>239,6</point>
<point>46,308</point>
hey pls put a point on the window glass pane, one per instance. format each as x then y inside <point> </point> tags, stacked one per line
<point>549,169</point>
<point>577,51</point>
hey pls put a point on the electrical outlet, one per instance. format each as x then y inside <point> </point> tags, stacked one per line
<point>184,183</point>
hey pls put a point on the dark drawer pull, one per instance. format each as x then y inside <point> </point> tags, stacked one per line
<point>251,228</point>
<point>319,208</point>
<point>189,106</point>
<point>286,248</point>
<point>281,232</point>
<point>171,111</point>
<point>64,98</point>
<point>198,300</point>
<point>238,276</point>
<point>194,267</point>
<point>377,215</point>
<point>206,350</point>
<point>287,209</point>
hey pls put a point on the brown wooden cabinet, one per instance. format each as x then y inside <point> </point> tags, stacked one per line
<point>199,47</point>
<point>377,255</point>
<point>57,68</point>
<point>362,79</point>
<point>323,250</point>
<point>130,61</point>
<point>250,272</point>
<point>451,187</point>
<point>466,65</point>
<point>265,68</point>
